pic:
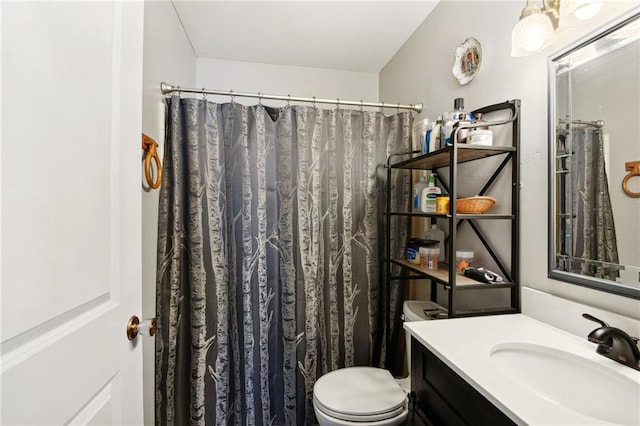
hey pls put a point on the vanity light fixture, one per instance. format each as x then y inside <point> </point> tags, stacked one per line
<point>536,29</point>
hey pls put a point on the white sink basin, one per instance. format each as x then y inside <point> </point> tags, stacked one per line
<point>571,381</point>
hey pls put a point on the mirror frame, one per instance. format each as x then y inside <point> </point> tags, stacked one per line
<point>612,287</point>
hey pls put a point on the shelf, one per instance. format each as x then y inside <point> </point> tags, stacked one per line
<point>489,311</point>
<point>444,284</point>
<point>441,157</point>
<point>442,276</point>
<point>458,215</point>
<point>442,315</point>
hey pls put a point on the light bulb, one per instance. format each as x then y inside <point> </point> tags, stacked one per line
<point>587,9</point>
<point>532,34</point>
<point>576,11</point>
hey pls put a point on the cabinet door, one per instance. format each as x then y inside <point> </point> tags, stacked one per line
<point>444,398</point>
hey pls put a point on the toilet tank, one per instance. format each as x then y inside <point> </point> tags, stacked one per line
<point>417,310</point>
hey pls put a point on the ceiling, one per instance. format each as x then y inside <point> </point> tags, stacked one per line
<point>341,35</point>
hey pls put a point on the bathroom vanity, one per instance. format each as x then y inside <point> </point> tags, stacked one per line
<point>442,397</point>
<point>512,369</point>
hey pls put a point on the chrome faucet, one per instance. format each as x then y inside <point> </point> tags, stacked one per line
<point>615,343</point>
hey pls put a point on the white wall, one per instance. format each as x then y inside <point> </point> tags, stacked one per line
<point>168,57</point>
<point>421,72</point>
<point>284,80</point>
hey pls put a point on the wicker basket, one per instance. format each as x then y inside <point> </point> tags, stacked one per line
<point>474,205</point>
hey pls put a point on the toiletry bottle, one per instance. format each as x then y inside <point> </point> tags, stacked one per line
<point>437,234</point>
<point>424,147</point>
<point>450,118</point>
<point>428,196</point>
<point>435,134</point>
<point>417,192</point>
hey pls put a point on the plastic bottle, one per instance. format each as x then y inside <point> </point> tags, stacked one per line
<point>450,118</point>
<point>428,196</point>
<point>435,134</point>
<point>437,234</point>
<point>424,144</point>
<point>417,192</point>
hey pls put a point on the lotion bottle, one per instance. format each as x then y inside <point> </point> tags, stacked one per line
<point>428,196</point>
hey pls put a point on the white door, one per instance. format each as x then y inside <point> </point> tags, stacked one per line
<point>70,212</point>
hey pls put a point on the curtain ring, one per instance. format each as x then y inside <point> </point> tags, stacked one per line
<point>314,102</point>
<point>233,98</point>
<point>289,101</point>
<point>398,107</point>
<point>361,105</point>
<point>259,98</point>
<point>382,107</point>
<point>338,104</point>
<point>204,95</point>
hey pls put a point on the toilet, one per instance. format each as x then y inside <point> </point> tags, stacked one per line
<point>367,396</point>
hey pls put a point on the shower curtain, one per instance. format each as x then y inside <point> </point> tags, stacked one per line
<point>269,256</point>
<point>593,231</point>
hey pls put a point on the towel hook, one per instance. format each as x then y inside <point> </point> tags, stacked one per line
<point>633,167</point>
<point>149,145</point>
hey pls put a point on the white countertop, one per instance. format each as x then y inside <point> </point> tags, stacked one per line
<point>465,344</point>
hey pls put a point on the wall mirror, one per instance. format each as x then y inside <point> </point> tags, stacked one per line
<point>594,144</point>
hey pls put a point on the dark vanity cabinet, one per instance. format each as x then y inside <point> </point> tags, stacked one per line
<point>443,398</point>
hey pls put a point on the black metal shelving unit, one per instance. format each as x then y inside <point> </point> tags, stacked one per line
<point>450,157</point>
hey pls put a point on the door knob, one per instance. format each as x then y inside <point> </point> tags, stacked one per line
<point>146,328</point>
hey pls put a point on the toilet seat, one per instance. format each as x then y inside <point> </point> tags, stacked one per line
<point>359,394</point>
<point>357,418</point>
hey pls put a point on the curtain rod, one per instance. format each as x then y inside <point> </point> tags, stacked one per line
<point>166,88</point>
<point>597,123</point>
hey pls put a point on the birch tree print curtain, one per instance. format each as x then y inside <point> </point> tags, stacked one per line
<point>593,231</point>
<point>269,256</point>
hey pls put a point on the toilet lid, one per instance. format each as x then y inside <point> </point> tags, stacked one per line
<point>357,392</point>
